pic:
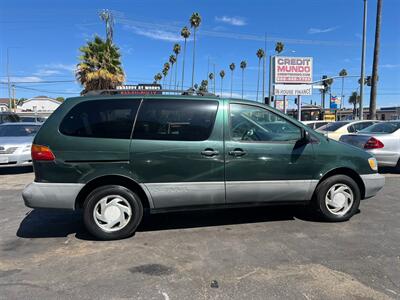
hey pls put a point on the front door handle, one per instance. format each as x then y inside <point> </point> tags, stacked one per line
<point>209,152</point>
<point>237,152</point>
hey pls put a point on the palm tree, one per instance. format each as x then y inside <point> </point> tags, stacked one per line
<point>243,65</point>
<point>260,54</point>
<point>279,47</point>
<point>108,19</point>
<point>232,68</point>
<point>374,79</point>
<point>343,74</point>
<point>100,66</point>
<point>195,21</point>
<point>354,99</point>
<point>177,50</point>
<point>204,86</point>
<point>172,61</point>
<point>185,33</point>
<point>165,71</point>
<point>222,75</point>
<point>157,77</point>
<point>211,77</point>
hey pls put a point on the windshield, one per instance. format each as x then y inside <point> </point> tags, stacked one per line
<point>18,130</point>
<point>333,126</point>
<point>384,127</point>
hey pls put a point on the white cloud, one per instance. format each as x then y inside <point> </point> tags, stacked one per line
<point>390,66</point>
<point>63,67</point>
<point>23,79</point>
<point>45,72</point>
<point>155,34</point>
<point>235,21</point>
<point>322,30</point>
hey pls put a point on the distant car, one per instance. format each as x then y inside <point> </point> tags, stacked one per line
<point>7,117</point>
<point>335,130</point>
<point>34,119</point>
<point>381,139</point>
<point>15,143</point>
<point>316,123</point>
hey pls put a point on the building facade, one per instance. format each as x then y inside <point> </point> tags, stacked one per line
<point>39,104</point>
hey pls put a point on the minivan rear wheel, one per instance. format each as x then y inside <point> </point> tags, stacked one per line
<point>337,198</point>
<point>112,212</point>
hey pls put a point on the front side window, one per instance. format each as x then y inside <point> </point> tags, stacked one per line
<point>184,120</point>
<point>101,119</point>
<point>254,124</point>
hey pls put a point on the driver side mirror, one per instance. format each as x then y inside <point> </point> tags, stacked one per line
<point>305,136</point>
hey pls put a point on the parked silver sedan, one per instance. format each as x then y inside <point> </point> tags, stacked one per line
<point>381,139</point>
<point>15,143</point>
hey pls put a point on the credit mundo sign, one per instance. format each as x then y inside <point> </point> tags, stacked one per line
<point>293,69</point>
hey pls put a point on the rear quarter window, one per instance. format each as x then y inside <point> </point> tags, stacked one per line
<point>177,120</point>
<point>101,119</point>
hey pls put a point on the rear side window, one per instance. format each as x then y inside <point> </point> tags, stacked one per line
<point>101,119</point>
<point>183,120</point>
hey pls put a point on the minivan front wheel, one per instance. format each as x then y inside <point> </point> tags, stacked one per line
<point>112,212</point>
<point>337,198</point>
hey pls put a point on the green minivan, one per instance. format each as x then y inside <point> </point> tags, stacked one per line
<point>117,156</point>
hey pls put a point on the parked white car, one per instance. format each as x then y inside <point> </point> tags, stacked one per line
<point>15,143</point>
<point>381,139</point>
<point>316,123</point>
<point>335,130</point>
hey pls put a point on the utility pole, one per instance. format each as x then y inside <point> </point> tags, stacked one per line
<point>8,80</point>
<point>13,98</point>
<point>299,108</point>
<point>215,77</point>
<point>270,80</point>
<point>374,80</point>
<point>364,38</point>
<point>264,66</point>
<point>284,104</point>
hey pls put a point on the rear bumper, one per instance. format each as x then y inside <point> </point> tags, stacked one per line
<point>51,195</point>
<point>385,158</point>
<point>373,184</point>
<point>15,160</point>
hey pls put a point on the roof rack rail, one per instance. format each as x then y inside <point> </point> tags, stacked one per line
<point>123,91</point>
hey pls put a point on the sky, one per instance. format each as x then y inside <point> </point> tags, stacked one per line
<point>42,39</point>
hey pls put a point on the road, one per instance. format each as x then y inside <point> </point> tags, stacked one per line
<point>255,253</point>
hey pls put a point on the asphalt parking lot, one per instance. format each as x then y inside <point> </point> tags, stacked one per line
<point>255,253</point>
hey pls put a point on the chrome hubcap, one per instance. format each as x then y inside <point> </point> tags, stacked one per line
<point>112,213</point>
<point>339,199</point>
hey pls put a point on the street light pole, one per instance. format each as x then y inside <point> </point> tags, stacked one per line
<point>364,38</point>
<point>270,79</point>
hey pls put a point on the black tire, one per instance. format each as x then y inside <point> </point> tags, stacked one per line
<point>99,193</point>
<point>322,190</point>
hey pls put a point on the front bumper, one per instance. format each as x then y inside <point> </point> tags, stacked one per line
<point>51,195</point>
<point>373,184</point>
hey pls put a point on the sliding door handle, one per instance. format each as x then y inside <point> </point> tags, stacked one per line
<point>209,152</point>
<point>237,152</point>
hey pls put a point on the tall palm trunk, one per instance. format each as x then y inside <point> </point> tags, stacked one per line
<point>183,64</point>
<point>258,77</point>
<point>242,81</point>
<point>194,54</point>
<point>176,72</point>
<point>222,82</point>
<point>231,82</point>
<point>170,77</point>
<point>372,103</point>
<point>341,100</point>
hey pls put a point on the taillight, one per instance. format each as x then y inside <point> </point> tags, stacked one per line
<point>40,152</point>
<point>373,143</point>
